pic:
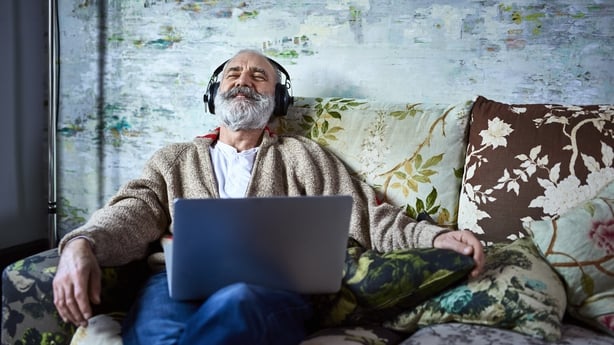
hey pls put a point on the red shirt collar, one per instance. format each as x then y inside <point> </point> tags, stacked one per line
<point>215,134</point>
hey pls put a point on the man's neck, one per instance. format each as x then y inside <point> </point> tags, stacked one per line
<point>241,140</point>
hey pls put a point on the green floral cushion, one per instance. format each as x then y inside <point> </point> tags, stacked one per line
<point>377,286</point>
<point>580,246</point>
<point>518,291</point>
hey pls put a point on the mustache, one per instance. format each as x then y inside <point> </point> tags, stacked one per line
<point>246,91</point>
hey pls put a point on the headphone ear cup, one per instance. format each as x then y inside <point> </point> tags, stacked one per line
<point>210,96</point>
<point>282,100</point>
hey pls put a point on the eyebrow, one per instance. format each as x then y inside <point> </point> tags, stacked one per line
<point>252,69</point>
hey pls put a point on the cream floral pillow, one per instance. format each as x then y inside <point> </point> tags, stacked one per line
<point>528,161</point>
<point>102,329</point>
<point>580,247</point>
<point>411,153</point>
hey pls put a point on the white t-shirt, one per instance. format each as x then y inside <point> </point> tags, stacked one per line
<point>232,169</point>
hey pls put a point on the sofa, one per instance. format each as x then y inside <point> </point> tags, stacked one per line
<point>533,181</point>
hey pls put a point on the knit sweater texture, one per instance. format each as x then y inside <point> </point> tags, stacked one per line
<point>141,212</point>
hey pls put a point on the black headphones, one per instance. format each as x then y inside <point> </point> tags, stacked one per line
<point>282,97</point>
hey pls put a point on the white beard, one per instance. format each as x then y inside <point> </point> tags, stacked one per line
<point>251,112</point>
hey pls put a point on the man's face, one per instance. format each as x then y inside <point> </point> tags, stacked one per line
<point>246,97</point>
<point>251,70</point>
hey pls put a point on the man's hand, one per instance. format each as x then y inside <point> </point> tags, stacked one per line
<point>77,282</point>
<point>463,242</point>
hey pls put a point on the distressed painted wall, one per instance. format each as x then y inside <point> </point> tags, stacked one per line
<point>133,72</point>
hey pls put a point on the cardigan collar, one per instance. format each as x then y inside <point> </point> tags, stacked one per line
<point>269,137</point>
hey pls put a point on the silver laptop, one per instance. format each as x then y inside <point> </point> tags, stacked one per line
<point>293,243</point>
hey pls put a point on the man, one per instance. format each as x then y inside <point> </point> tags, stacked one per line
<point>241,158</point>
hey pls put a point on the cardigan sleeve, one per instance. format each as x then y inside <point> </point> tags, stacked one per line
<point>136,215</point>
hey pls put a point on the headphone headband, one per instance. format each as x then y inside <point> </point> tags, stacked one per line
<point>282,97</point>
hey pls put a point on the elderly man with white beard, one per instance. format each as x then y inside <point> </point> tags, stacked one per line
<point>270,165</point>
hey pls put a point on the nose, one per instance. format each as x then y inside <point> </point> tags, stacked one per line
<point>243,79</point>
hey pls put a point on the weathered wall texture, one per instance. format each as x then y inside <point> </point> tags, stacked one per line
<point>133,72</point>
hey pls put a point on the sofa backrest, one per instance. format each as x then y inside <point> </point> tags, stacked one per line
<point>411,153</point>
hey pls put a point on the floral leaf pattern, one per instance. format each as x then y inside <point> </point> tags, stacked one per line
<point>378,286</point>
<point>517,290</point>
<point>27,298</point>
<point>365,134</point>
<point>26,295</point>
<point>510,166</point>
<point>579,245</point>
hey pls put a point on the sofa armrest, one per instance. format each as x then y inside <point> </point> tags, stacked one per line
<point>28,312</point>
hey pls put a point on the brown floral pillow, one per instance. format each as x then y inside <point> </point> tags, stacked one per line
<point>531,161</point>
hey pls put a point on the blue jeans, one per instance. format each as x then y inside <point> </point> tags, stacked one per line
<point>237,314</point>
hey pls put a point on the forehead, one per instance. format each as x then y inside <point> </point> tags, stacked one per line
<point>250,61</point>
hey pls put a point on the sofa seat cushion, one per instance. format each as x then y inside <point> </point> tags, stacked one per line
<point>580,246</point>
<point>465,334</point>
<point>358,335</point>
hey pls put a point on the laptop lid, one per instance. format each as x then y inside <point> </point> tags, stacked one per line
<point>294,243</point>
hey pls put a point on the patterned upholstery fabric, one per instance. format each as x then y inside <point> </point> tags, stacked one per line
<point>411,153</point>
<point>518,290</point>
<point>465,334</point>
<point>580,246</point>
<point>528,161</point>
<point>28,312</point>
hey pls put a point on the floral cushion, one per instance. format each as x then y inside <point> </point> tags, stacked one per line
<point>411,153</point>
<point>527,161</point>
<point>517,291</point>
<point>580,246</point>
<point>102,329</point>
<point>377,286</point>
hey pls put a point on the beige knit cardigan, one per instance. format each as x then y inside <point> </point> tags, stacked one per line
<point>142,210</point>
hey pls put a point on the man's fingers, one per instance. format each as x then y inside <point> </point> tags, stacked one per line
<point>463,242</point>
<point>66,306</point>
<point>81,305</point>
<point>71,294</point>
<point>58,300</point>
<point>77,282</point>
<point>95,285</point>
<point>74,308</point>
